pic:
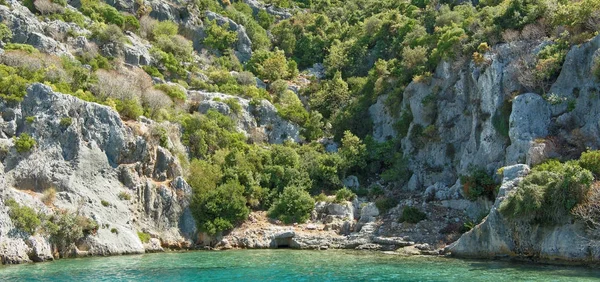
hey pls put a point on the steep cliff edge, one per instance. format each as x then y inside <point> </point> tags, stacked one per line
<point>464,119</point>
<point>100,168</point>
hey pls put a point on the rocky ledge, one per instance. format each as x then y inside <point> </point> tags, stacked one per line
<point>332,226</point>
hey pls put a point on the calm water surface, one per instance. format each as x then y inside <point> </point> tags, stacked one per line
<point>289,265</point>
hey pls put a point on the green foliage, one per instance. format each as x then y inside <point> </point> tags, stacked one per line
<point>313,127</point>
<point>205,134</point>
<point>129,108</point>
<point>66,228</point>
<point>344,194</point>
<point>333,96</point>
<point>219,37</point>
<point>153,71</point>
<point>384,204</point>
<point>234,105</point>
<point>293,205</point>
<point>398,171</point>
<point>590,160</point>
<point>353,153</point>
<point>478,184</point>
<point>271,65</point>
<point>412,215</point>
<point>124,196</point>
<point>5,33</point>
<point>101,12</point>
<point>105,203</point>
<point>144,237</point>
<point>173,91</point>
<point>69,16</point>
<point>21,47</point>
<point>221,208</point>
<point>30,119</point>
<point>66,121</point>
<point>23,217</point>
<point>24,143</point>
<point>108,34</point>
<point>549,193</point>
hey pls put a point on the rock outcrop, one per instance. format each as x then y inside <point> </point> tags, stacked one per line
<point>459,119</point>
<point>498,237</point>
<point>100,167</point>
<point>259,121</point>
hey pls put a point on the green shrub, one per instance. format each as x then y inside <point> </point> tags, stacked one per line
<point>108,34</point>
<point>548,194</point>
<point>234,105</point>
<point>144,237</point>
<point>23,217</point>
<point>384,204</point>
<point>321,198</point>
<point>30,119</point>
<point>344,194</point>
<point>219,209</point>
<point>173,91</point>
<point>478,184</point>
<point>21,47</point>
<point>129,108</point>
<point>66,121</point>
<point>105,203</point>
<point>124,196</point>
<point>13,87</point>
<point>153,71</point>
<point>24,143</point>
<point>590,160</point>
<point>114,230</point>
<point>219,37</point>
<point>412,215</point>
<point>66,228</point>
<point>5,32</point>
<point>293,205</point>
<point>398,172</point>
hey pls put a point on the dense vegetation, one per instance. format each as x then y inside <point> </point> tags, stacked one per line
<point>367,48</point>
<point>554,191</point>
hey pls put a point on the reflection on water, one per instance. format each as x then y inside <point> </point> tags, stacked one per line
<point>289,265</point>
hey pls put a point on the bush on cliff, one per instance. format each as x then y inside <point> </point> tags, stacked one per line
<point>221,208</point>
<point>549,193</point>
<point>23,217</point>
<point>293,205</point>
<point>478,184</point>
<point>24,143</point>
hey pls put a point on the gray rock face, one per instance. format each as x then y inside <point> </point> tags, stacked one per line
<point>259,122</point>
<point>529,120</point>
<point>137,53</point>
<point>279,13</point>
<point>497,237</point>
<point>27,29</point>
<point>90,162</point>
<point>461,107</point>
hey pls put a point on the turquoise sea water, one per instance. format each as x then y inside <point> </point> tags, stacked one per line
<point>289,265</point>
